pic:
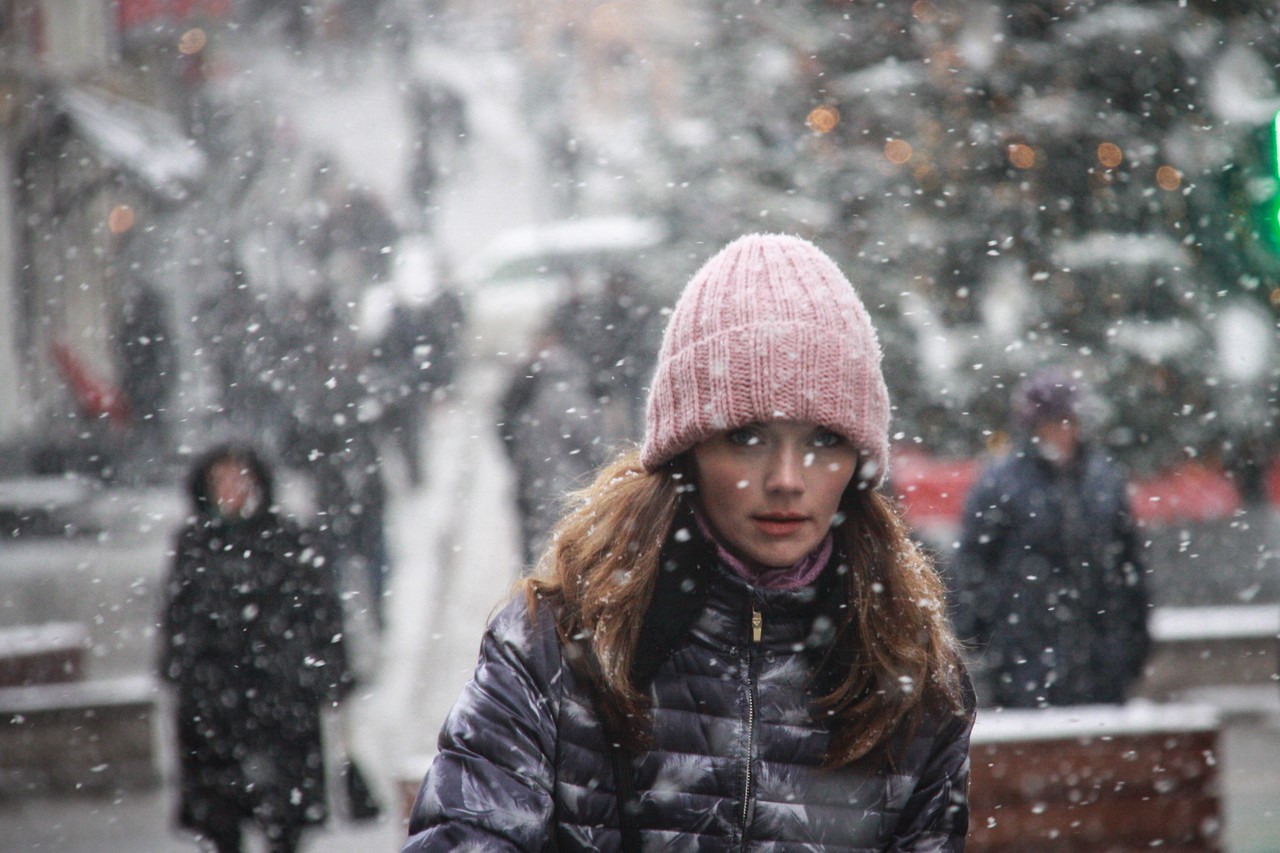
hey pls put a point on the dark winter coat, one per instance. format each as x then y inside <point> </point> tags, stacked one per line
<point>148,358</point>
<point>550,426</point>
<point>734,762</point>
<point>251,640</point>
<point>1051,581</point>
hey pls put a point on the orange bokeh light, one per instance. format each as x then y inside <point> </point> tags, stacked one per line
<point>1168,178</point>
<point>897,151</point>
<point>1110,155</point>
<point>823,119</point>
<point>192,41</point>
<point>924,11</point>
<point>1022,156</point>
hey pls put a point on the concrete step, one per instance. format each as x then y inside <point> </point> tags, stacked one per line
<point>46,653</point>
<point>95,735</point>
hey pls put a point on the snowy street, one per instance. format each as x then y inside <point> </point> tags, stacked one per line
<point>455,560</point>
<point>454,538</point>
<point>453,541</point>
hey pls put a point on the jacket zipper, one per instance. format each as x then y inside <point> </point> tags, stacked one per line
<point>748,805</point>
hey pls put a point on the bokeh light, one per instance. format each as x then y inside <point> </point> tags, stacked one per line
<point>924,11</point>
<point>192,41</point>
<point>1168,178</point>
<point>897,151</point>
<point>1110,155</point>
<point>1022,156</point>
<point>823,119</point>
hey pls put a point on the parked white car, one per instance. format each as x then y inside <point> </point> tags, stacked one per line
<point>514,284</point>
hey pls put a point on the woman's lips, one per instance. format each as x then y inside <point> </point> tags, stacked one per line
<point>778,525</point>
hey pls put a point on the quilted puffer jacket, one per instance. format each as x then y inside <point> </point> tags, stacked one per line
<point>735,757</point>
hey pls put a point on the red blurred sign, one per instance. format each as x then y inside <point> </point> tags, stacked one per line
<point>96,397</point>
<point>1190,492</point>
<point>136,13</point>
<point>932,490</point>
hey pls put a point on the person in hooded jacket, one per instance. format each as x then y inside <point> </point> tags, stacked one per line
<point>251,640</point>
<point>1049,572</point>
<point>731,642</point>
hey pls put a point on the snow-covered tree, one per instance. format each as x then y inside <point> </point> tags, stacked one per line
<point>1008,183</point>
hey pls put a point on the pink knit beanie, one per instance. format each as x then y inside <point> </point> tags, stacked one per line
<point>768,329</point>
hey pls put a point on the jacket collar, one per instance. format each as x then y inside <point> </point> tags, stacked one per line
<point>688,574</point>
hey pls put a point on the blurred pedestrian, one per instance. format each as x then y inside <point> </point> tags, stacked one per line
<point>395,375</point>
<point>732,642</point>
<point>252,642</point>
<point>331,436</point>
<point>445,321</point>
<point>611,331</point>
<point>256,346</point>
<point>410,332</point>
<point>148,362</point>
<point>351,495</point>
<point>438,113</point>
<point>546,419</point>
<point>355,235</point>
<point>1049,572</point>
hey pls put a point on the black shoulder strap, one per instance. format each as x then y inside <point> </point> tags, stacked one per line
<point>680,593</point>
<point>686,567</point>
<point>584,662</point>
<point>628,805</point>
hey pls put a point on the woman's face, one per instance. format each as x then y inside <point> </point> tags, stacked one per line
<point>771,489</point>
<point>233,489</point>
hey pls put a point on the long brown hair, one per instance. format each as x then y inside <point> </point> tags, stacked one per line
<point>899,653</point>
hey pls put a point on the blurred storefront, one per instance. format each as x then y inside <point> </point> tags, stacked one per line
<point>88,155</point>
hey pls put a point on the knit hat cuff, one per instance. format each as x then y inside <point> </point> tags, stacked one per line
<point>769,371</point>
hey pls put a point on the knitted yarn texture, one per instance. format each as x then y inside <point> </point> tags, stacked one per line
<point>768,329</point>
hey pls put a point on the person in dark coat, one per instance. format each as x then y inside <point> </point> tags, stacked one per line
<point>148,359</point>
<point>355,230</point>
<point>732,642</point>
<point>611,331</point>
<point>251,636</point>
<point>1050,577</point>
<point>395,375</point>
<point>351,493</point>
<point>551,435</point>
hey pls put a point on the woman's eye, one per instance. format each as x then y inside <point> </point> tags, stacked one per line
<point>827,438</point>
<point>742,437</point>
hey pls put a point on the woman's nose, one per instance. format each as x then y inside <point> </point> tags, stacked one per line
<point>786,471</point>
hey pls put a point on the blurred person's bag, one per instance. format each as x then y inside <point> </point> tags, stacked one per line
<point>362,804</point>
<point>359,802</point>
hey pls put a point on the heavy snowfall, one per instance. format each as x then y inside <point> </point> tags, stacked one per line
<point>391,243</point>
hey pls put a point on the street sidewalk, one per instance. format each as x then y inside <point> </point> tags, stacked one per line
<point>454,550</point>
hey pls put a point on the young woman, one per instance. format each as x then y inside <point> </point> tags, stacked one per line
<point>252,642</point>
<point>731,643</point>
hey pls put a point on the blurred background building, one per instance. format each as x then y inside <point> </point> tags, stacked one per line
<point>1012,183</point>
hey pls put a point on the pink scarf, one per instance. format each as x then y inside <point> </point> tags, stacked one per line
<point>799,575</point>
